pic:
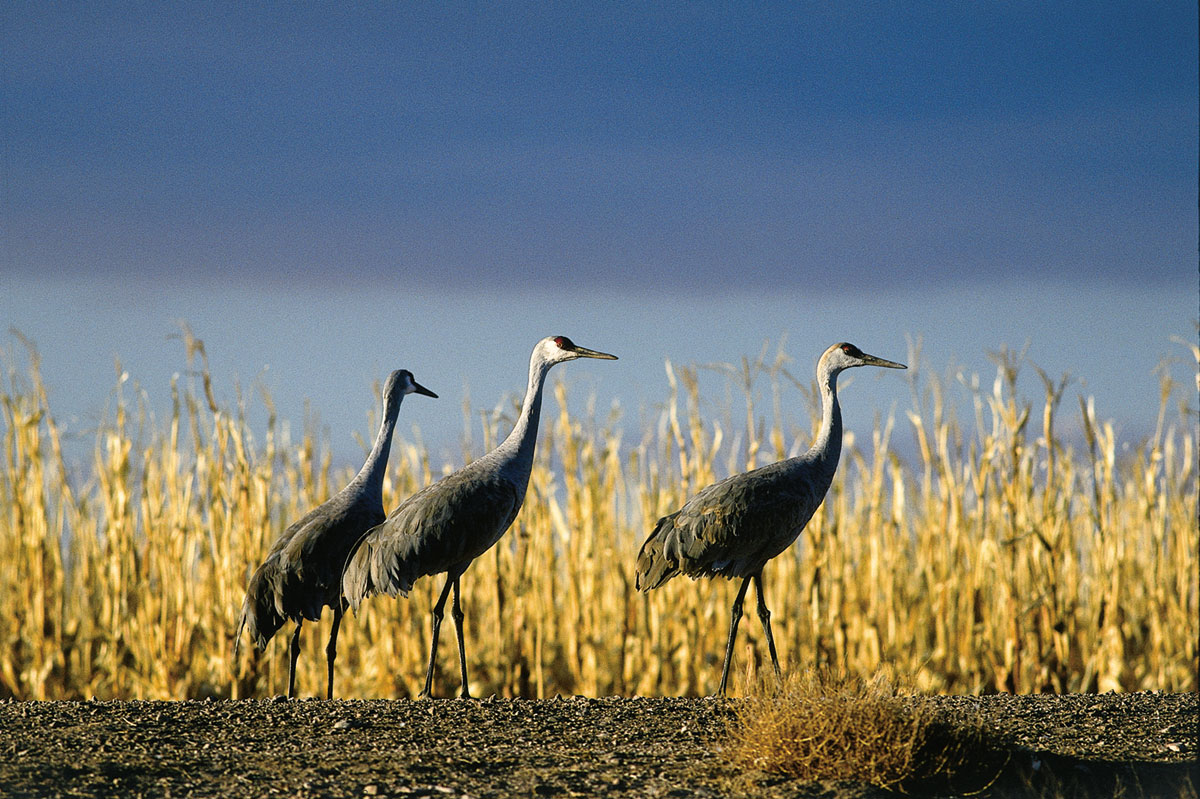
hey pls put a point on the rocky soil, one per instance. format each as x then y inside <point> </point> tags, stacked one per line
<point>1142,744</point>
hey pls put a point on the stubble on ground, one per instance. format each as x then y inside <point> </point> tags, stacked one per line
<point>1141,744</point>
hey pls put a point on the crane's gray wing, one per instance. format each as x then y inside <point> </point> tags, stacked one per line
<point>439,529</point>
<point>731,528</point>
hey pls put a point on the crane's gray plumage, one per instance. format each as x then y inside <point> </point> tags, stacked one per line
<point>301,574</point>
<point>732,528</point>
<point>445,526</point>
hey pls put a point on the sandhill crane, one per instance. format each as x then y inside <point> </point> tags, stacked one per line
<point>445,526</point>
<point>732,528</point>
<point>302,572</point>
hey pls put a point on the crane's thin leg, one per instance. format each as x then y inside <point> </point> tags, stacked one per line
<point>293,655</point>
<point>437,626</point>
<point>457,613</point>
<point>735,617</point>
<point>331,649</point>
<point>765,616</point>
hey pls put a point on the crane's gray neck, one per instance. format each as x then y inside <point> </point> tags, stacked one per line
<point>370,476</point>
<point>827,447</point>
<point>517,449</point>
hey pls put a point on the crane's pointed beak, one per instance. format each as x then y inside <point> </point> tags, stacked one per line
<point>584,352</point>
<point>871,360</point>
<point>420,389</point>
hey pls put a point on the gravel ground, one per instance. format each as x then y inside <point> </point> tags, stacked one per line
<point>1142,744</point>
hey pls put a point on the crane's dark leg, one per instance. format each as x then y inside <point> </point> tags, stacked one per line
<point>437,626</point>
<point>331,649</point>
<point>735,617</point>
<point>293,655</point>
<point>764,615</point>
<point>457,613</point>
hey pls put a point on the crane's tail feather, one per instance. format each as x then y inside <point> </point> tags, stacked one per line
<point>378,565</point>
<point>372,569</point>
<point>357,585</point>
<point>355,578</point>
<point>237,636</point>
<point>260,614</point>
<point>654,565</point>
<point>365,573</point>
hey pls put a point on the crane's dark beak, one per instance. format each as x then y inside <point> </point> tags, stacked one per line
<point>871,360</point>
<point>420,389</point>
<point>584,352</point>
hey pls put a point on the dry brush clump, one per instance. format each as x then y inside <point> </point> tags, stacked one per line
<point>996,554</point>
<point>827,725</point>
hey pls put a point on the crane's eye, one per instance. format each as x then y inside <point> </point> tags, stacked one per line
<point>563,342</point>
<point>851,350</point>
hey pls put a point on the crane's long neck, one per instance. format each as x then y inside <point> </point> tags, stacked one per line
<point>370,476</point>
<point>516,451</point>
<point>827,447</point>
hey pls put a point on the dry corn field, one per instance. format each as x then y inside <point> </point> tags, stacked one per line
<point>994,555</point>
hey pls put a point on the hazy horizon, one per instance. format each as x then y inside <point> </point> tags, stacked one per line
<point>328,193</point>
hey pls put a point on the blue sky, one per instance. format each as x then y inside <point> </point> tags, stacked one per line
<point>329,192</point>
